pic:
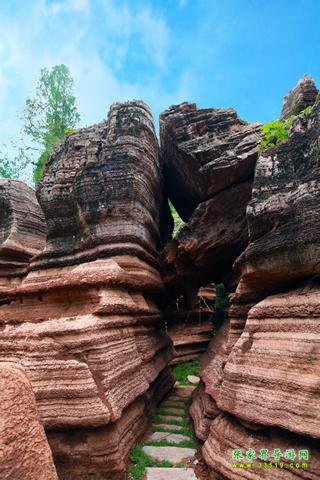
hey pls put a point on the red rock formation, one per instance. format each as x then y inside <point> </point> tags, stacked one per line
<point>92,345</point>
<point>24,451</point>
<point>205,151</point>
<point>22,230</point>
<point>190,325</point>
<point>209,158</point>
<point>272,373</point>
<point>303,95</point>
<point>263,367</point>
<point>227,435</point>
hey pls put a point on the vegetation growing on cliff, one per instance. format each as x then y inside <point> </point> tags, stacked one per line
<point>178,222</point>
<point>277,131</point>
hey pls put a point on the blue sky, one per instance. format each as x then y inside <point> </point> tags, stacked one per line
<point>218,53</point>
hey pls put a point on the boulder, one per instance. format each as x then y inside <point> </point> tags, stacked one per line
<point>283,214</point>
<point>201,253</point>
<point>24,450</point>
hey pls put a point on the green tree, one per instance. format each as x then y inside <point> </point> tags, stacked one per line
<point>50,114</point>
<point>12,167</point>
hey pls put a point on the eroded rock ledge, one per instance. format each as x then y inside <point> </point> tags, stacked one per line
<point>85,322</point>
<point>262,370</point>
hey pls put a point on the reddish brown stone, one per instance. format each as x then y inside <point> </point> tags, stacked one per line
<point>22,230</point>
<point>24,450</point>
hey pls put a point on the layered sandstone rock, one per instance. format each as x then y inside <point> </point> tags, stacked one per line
<point>209,157</point>
<point>228,435</point>
<point>85,321</point>
<point>200,253</point>
<point>205,151</point>
<point>190,325</point>
<point>263,367</point>
<point>24,450</point>
<point>22,230</point>
<point>303,95</point>
<point>272,373</point>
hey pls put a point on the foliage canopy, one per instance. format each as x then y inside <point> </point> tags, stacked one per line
<point>51,113</point>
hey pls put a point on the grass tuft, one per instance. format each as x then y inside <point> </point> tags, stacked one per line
<point>141,461</point>
<point>182,370</point>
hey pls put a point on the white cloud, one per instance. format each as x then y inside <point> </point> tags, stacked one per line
<point>98,55</point>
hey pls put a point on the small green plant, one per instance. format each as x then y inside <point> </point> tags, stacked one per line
<point>182,370</point>
<point>277,131</point>
<point>141,461</point>
<point>178,222</point>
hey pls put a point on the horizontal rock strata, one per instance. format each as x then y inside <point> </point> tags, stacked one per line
<point>263,366</point>
<point>22,230</point>
<point>209,159</point>
<point>85,322</point>
<point>228,435</point>
<point>190,326</point>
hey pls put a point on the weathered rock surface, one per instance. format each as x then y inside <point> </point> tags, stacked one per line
<point>203,411</point>
<point>209,157</point>
<point>22,230</point>
<point>284,211</point>
<point>263,366</point>
<point>272,373</point>
<point>24,450</point>
<point>190,324</point>
<point>85,219</point>
<point>303,95</point>
<point>85,321</point>
<point>201,253</point>
<point>205,151</point>
<point>227,435</point>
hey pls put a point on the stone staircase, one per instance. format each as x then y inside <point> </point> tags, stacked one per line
<point>172,441</point>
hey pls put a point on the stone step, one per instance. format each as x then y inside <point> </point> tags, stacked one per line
<point>166,418</point>
<point>174,455</point>
<point>170,474</point>
<point>175,411</point>
<point>169,437</point>
<point>167,403</point>
<point>175,398</point>
<point>174,428</point>
<point>184,390</point>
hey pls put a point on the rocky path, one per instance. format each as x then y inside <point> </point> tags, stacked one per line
<point>169,451</point>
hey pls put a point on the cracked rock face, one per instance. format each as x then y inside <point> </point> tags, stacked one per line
<point>92,343</point>
<point>303,95</point>
<point>22,230</point>
<point>262,367</point>
<point>283,214</point>
<point>209,158</point>
<point>101,191</point>
<point>25,453</point>
<point>228,434</point>
<point>272,373</point>
<point>205,151</point>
